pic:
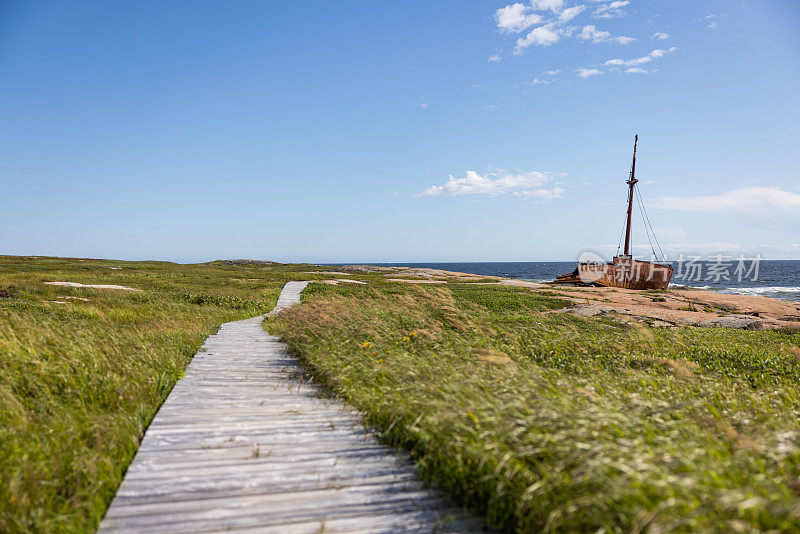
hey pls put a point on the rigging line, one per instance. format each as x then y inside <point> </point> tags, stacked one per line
<point>646,231</point>
<point>647,217</point>
<point>624,223</point>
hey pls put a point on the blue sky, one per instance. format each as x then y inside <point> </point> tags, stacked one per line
<point>402,131</point>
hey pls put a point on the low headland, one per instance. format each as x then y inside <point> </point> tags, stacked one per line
<point>545,408</point>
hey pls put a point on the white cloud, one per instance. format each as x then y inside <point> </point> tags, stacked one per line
<point>660,36</point>
<point>571,12</point>
<point>655,54</point>
<point>586,73</point>
<point>541,194</point>
<point>611,10</point>
<point>711,22</point>
<point>529,185</point>
<point>636,70</point>
<point>753,200</point>
<point>495,58</point>
<point>547,77</point>
<point>556,6</point>
<point>542,36</point>
<point>490,107</point>
<point>515,18</point>
<point>591,33</point>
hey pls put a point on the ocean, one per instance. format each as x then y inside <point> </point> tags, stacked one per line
<point>769,278</point>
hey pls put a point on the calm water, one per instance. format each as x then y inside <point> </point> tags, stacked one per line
<point>776,278</point>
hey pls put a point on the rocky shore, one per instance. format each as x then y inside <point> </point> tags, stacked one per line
<point>664,308</point>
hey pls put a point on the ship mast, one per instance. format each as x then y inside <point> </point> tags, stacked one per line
<point>631,184</point>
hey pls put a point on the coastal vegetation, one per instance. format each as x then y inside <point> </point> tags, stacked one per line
<point>538,419</point>
<point>550,422</point>
<point>83,371</point>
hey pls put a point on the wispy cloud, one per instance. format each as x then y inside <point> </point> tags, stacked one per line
<point>495,58</point>
<point>571,12</point>
<point>423,102</point>
<point>655,54</point>
<point>611,10</point>
<point>533,185</point>
<point>556,6</point>
<point>591,33</point>
<point>711,23</point>
<point>545,23</point>
<point>752,200</point>
<point>541,195</point>
<point>546,78</point>
<point>490,107</point>
<point>586,73</point>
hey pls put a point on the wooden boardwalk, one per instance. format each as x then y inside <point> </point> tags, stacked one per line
<point>243,444</point>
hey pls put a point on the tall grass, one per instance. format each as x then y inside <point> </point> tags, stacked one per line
<point>83,371</point>
<point>548,422</point>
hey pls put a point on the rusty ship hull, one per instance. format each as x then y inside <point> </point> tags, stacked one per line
<point>623,272</point>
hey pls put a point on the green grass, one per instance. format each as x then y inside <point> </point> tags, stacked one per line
<point>542,421</point>
<point>549,422</point>
<point>80,380</point>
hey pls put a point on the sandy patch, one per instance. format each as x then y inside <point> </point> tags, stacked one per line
<point>523,283</point>
<point>438,274</point>
<point>416,281</point>
<point>92,286</point>
<point>341,280</point>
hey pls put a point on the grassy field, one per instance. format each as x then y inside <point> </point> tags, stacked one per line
<point>83,371</point>
<point>549,422</point>
<point>540,420</point>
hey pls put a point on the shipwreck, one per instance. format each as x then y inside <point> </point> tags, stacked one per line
<point>624,271</point>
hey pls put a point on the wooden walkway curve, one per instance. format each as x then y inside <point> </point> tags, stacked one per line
<point>243,444</point>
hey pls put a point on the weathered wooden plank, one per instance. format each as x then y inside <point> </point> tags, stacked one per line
<point>279,471</point>
<point>245,441</point>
